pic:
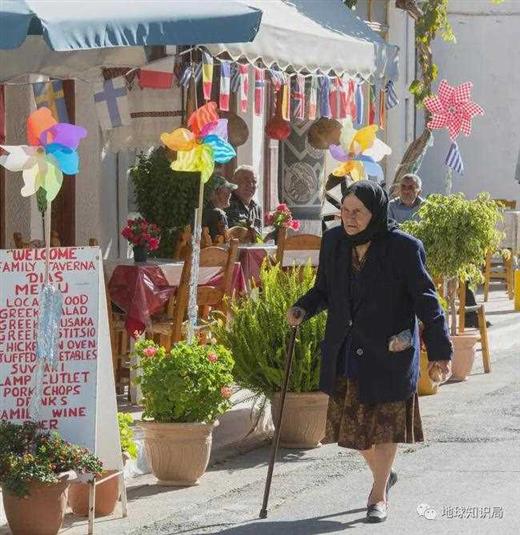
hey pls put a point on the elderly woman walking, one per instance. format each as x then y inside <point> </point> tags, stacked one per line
<point>373,281</point>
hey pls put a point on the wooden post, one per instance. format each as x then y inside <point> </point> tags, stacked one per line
<point>486,361</point>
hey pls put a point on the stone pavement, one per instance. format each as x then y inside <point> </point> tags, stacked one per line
<point>469,466</point>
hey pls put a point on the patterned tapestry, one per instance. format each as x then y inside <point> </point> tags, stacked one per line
<point>301,168</point>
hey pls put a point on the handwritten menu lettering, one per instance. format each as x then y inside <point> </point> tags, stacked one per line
<point>68,392</point>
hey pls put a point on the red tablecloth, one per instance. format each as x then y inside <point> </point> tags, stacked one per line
<point>251,259</point>
<point>142,290</point>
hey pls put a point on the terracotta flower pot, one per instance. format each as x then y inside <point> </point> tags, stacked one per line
<point>425,386</point>
<point>40,513</point>
<point>304,419</point>
<point>178,453</point>
<point>107,494</point>
<point>463,356</point>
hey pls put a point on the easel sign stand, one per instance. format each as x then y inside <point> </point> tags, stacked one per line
<point>76,396</point>
<point>107,442</point>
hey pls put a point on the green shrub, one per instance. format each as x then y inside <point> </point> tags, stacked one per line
<point>456,233</point>
<point>192,383</point>
<point>165,197</point>
<point>29,454</point>
<point>258,334</point>
<point>126,434</point>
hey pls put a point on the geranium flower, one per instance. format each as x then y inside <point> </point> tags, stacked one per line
<point>213,357</point>
<point>149,351</point>
<point>225,392</point>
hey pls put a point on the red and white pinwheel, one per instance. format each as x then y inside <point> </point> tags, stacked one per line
<point>453,109</point>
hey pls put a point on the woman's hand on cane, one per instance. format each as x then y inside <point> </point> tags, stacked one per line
<point>295,316</point>
<point>439,370</point>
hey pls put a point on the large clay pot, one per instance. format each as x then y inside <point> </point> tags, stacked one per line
<point>425,386</point>
<point>304,419</point>
<point>107,494</point>
<point>463,355</point>
<point>40,513</point>
<point>178,453</point>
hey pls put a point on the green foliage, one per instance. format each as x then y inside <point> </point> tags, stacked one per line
<point>258,334</point>
<point>164,197</point>
<point>456,233</point>
<point>192,383</point>
<point>126,434</point>
<point>29,454</point>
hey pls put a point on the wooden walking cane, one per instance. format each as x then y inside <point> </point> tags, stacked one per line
<point>276,439</point>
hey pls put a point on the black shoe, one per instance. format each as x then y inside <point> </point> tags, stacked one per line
<point>377,512</point>
<point>392,480</point>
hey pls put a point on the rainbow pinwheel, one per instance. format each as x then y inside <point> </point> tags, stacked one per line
<point>359,150</point>
<point>51,152</point>
<point>206,143</point>
<point>453,109</point>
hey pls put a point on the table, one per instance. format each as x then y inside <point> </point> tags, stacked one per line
<point>511,226</point>
<point>142,290</point>
<point>252,256</point>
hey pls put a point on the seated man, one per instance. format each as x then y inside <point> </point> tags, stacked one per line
<point>214,217</point>
<point>243,210</point>
<point>405,206</point>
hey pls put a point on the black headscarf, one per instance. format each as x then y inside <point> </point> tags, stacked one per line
<point>375,198</point>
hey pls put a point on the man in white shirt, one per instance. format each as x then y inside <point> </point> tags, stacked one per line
<point>406,205</point>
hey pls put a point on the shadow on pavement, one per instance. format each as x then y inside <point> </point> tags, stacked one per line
<point>307,526</point>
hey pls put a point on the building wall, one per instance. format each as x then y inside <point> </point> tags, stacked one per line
<point>486,53</point>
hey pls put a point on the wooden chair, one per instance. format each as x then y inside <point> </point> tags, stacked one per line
<point>55,239</point>
<point>498,268</point>
<point>19,242</point>
<point>184,242</point>
<point>297,242</point>
<point>92,242</point>
<point>209,298</point>
<point>507,204</point>
<point>242,234</point>
<point>482,325</point>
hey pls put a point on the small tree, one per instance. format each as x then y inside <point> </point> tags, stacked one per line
<point>164,197</point>
<point>456,233</point>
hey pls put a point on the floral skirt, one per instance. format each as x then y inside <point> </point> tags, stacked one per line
<point>359,426</point>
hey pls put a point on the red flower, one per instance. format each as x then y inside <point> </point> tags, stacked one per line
<point>295,224</point>
<point>212,357</point>
<point>149,351</point>
<point>225,392</point>
<point>153,244</point>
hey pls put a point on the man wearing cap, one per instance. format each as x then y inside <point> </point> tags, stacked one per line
<point>214,217</point>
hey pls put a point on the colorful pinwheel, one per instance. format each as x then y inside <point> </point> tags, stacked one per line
<point>453,109</point>
<point>206,143</point>
<point>51,152</point>
<point>359,150</point>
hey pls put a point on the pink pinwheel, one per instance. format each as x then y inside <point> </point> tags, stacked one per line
<point>52,152</point>
<point>453,109</point>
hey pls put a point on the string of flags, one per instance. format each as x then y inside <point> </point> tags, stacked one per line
<point>302,96</point>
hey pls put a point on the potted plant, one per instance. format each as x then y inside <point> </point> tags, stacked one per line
<point>281,218</point>
<point>107,492</point>
<point>456,233</point>
<point>184,392</point>
<point>257,335</point>
<point>36,468</point>
<point>143,236</point>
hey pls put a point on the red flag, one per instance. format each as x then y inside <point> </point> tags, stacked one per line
<point>225,82</point>
<point>333,98</point>
<point>2,115</point>
<point>371,104</point>
<point>259,90</point>
<point>158,74</point>
<point>244,86</point>
<point>343,98</point>
<point>351,99</point>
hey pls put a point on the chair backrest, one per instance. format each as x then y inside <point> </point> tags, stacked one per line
<point>509,204</point>
<point>297,242</point>
<point>180,251</point>
<point>208,297</point>
<point>19,242</point>
<point>92,242</point>
<point>242,234</point>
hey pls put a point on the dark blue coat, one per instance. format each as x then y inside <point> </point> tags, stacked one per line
<point>395,290</point>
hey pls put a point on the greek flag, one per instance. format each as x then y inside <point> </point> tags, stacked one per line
<point>392,100</point>
<point>186,75</point>
<point>454,159</point>
<point>235,78</point>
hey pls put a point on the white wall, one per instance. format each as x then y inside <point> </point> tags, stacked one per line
<point>486,53</point>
